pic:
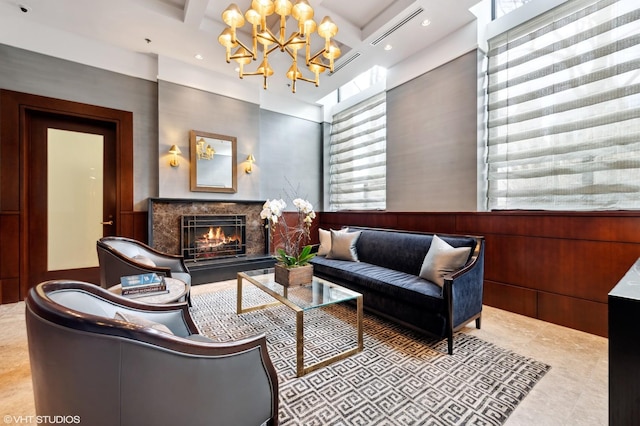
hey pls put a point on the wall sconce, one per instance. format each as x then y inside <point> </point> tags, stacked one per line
<point>174,150</point>
<point>250,159</point>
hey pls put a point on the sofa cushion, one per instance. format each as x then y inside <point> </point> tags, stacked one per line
<point>401,251</point>
<point>442,259</point>
<point>394,285</point>
<point>343,245</point>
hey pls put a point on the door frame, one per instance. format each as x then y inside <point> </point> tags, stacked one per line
<point>15,108</point>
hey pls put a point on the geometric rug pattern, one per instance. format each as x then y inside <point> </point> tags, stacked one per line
<point>400,378</point>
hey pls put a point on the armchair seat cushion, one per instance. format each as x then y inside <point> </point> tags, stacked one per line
<point>182,276</point>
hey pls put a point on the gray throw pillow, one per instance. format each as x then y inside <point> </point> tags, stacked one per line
<point>442,259</point>
<point>343,245</point>
<point>135,319</point>
<point>325,241</point>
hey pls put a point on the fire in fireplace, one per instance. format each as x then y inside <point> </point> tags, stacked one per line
<point>205,237</point>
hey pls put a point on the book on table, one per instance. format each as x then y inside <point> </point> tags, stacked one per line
<point>143,285</point>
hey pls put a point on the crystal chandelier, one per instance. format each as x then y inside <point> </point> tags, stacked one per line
<point>204,152</point>
<point>306,26</point>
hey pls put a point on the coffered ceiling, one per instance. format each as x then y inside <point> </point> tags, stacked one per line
<point>182,29</point>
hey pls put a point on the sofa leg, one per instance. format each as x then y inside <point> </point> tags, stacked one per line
<point>478,322</point>
<point>450,344</point>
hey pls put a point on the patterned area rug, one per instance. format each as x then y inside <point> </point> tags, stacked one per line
<point>400,378</point>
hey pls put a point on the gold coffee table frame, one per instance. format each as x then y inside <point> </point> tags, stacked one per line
<point>263,279</point>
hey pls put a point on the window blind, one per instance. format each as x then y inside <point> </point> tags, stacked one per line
<point>357,157</point>
<point>564,110</point>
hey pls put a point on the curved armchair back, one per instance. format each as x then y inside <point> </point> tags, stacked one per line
<point>108,371</point>
<point>120,256</point>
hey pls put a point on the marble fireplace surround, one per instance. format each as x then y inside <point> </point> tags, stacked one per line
<point>165,216</point>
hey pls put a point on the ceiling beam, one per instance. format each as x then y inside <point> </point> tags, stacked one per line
<point>194,11</point>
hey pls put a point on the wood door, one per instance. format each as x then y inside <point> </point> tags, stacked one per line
<point>64,214</point>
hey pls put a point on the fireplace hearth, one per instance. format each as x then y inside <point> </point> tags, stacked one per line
<point>207,237</point>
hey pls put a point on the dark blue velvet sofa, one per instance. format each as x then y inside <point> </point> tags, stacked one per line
<point>387,274</point>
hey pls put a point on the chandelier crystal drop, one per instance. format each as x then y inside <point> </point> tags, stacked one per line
<point>256,16</point>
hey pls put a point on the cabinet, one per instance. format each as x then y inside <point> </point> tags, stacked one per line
<point>624,349</point>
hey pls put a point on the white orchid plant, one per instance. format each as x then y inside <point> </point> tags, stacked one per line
<point>293,238</point>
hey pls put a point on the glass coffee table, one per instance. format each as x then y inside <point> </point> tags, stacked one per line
<point>301,299</point>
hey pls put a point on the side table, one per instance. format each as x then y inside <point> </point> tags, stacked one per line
<point>177,292</point>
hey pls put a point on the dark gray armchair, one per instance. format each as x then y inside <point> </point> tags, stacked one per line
<point>120,256</point>
<point>108,371</point>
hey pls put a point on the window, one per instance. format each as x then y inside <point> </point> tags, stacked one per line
<point>564,110</point>
<point>502,7</point>
<point>362,82</point>
<point>357,157</point>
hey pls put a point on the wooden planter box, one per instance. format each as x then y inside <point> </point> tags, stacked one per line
<point>291,277</point>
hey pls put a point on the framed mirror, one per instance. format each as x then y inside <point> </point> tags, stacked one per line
<point>213,162</point>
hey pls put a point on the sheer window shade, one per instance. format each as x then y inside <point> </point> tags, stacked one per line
<point>564,110</point>
<point>357,157</point>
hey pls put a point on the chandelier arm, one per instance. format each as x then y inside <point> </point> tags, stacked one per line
<point>287,49</point>
<point>307,80</point>
<point>253,73</point>
<point>292,37</point>
<point>320,64</point>
<point>273,38</point>
<point>253,53</point>
<point>314,57</point>
<point>268,52</point>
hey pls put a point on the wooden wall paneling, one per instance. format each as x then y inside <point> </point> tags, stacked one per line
<point>10,154</point>
<point>511,298</point>
<point>9,245</point>
<point>126,225</point>
<point>125,159</point>
<point>508,259</point>
<point>9,290</point>
<point>579,314</point>
<point>625,229</point>
<point>430,222</point>
<point>140,226</point>
<point>555,266</point>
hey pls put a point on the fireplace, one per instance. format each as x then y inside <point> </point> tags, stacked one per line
<point>209,237</point>
<point>169,218</point>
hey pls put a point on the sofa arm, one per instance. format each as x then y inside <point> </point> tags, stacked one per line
<point>466,289</point>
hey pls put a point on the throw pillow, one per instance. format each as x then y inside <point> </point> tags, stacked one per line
<point>135,319</point>
<point>343,245</point>
<point>144,260</point>
<point>325,241</point>
<point>442,259</point>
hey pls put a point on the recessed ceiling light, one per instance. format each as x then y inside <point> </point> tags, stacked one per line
<point>199,56</point>
<point>425,23</point>
<point>388,47</point>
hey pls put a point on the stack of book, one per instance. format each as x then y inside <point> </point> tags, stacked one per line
<point>143,285</point>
